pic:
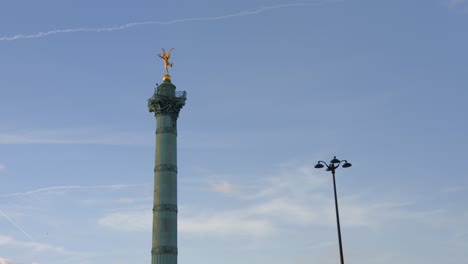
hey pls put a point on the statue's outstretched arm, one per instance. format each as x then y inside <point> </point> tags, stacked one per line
<point>169,53</point>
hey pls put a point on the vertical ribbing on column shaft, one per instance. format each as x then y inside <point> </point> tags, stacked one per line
<point>161,258</point>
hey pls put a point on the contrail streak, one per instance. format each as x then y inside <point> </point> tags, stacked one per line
<point>68,187</point>
<point>181,20</point>
<point>54,188</point>
<point>16,225</point>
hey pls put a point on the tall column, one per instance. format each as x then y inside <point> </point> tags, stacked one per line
<point>166,104</point>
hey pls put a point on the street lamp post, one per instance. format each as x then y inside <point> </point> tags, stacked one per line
<point>334,164</point>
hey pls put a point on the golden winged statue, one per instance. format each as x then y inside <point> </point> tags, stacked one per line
<point>165,56</point>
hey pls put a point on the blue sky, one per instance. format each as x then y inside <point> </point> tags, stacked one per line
<point>273,86</point>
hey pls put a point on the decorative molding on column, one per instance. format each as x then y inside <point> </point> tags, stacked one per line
<point>166,167</point>
<point>164,250</point>
<point>165,208</point>
<point>169,130</point>
<point>166,105</point>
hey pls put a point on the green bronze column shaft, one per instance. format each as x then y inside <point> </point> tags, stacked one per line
<point>166,105</point>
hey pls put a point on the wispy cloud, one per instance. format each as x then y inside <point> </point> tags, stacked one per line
<point>455,189</point>
<point>224,187</point>
<point>457,3</point>
<point>67,187</point>
<point>5,261</point>
<point>297,197</point>
<point>9,241</point>
<point>2,167</point>
<point>227,223</point>
<point>263,208</point>
<point>75,136</point>
<point>128,221</point>
<point>174,21</point>
<point>126,200</point>
<point>461,234</point>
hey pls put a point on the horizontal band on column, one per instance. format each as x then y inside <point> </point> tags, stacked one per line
<point>164,250</point>
<point>169,130</point>
<point>165,167</point>
<point>165,208</point>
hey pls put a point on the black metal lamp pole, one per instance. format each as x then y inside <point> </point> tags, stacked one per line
<point>334,164</point>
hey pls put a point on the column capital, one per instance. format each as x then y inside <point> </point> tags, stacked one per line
<point>162,104</point>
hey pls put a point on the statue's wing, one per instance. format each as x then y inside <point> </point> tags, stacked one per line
<point>164,52</point>
<point>169,54</point>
